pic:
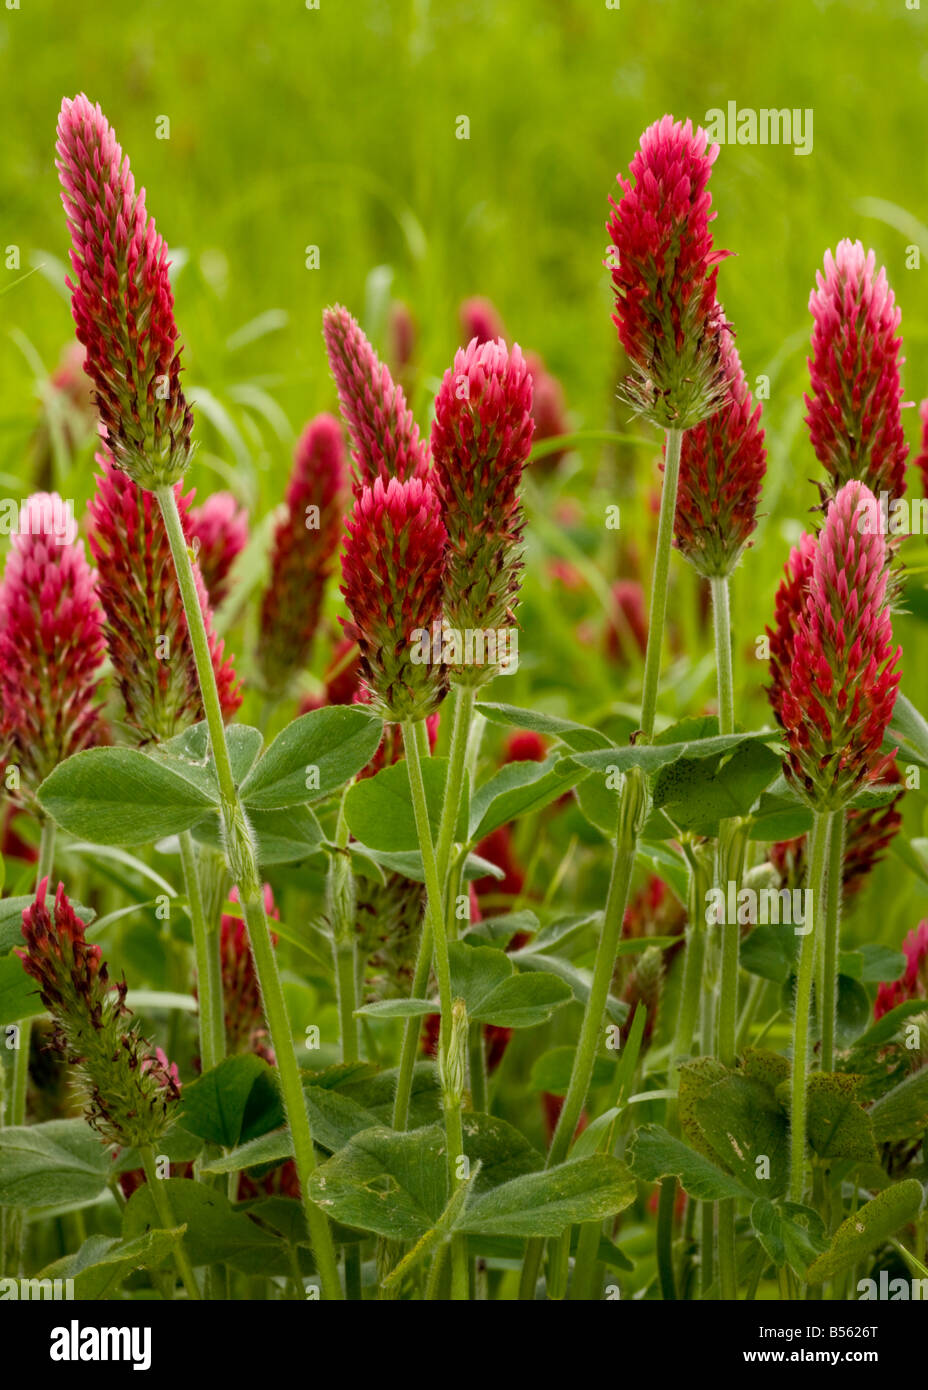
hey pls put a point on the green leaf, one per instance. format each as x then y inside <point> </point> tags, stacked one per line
<point>516,790</point>
<point>19,994</point>
<point>189,754</point>
<point>396,1185</point>
<point>655,1154</point>
<point>891,1027</point>
<point>332,744</point>
<point>50,1164</point>
<point>214,1105</point>
<point>791,1234</point>
<point>398,1008</point>
<point>379,809</point>
<point>696,797</point>
<point>578,979</point>
<point>909,727</point>
<point>409,864</point>
<point>854,1011</point>
<point>902,1113</point>
<point>103,1262</point>
<point>546,1203</point>
<point>334,1118</point>
<point>741,1121</point>
<point>215,1233</point>
<point>281,837</point>
<point>653,756</point>
<point>11,919</point>
<point>599,804</point>
<point>779,815</point>
<point>872,963</point>
<point>502,928</point>
<point>838,1127</point>
<point>770,952</point>
<point>120,796</point>
<point>866,1229</point>
<point>577,736</point>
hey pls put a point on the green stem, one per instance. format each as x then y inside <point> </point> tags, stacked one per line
<point>478,1068</point>
<point>163,1207</point>
<point>435,915</point>
<point>665,1213</point>
<point>652,663</point>
<point>820,836</point>
<point>212,1026</point>
<point>721,622</point>
<point>828,1005</point>
<point>341,907</point>
<point>464,699</point>
<point>583,1286</point>
<point>242,861</point>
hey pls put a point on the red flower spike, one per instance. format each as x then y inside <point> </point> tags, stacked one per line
<point>130,1087</point>
<point>837,702</point>
<point>913,983</point>
<point>146,628</point>
<point>246,1030</point>
<point>384,436</point>
<point>122,302</point>
<point>664,277</point>
<point>789,602</point>
<point>393,566</point>
<point>480,319</point>
<point>481,437</point>
<point>854,410</point>
<point>921,461</point>
<point>722,467</point>
<point>302,556</point>
<point>51,643</point>
<point>218,529</point>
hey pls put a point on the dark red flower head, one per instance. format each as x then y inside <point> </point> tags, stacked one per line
<point>837,702</point>
<point>51,643</point>
<point>384,436</point>
<point>302,557</point>
<point>855,407</point>
<point>664,277</point>
<point>122,301</point>
<point>481,438</point>
<point>722,467</point>
<point>393,566</point>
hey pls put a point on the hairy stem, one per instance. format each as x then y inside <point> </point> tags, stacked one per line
<point>828,1004</point>
<point>818,858</point>
<point>212,1028</point>
<point>163,1207</point>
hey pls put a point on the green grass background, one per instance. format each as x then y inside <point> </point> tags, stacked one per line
<point>335,127</point>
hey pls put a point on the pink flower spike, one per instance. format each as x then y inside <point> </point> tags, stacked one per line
<point>854,417</point>
<point>51,643</point>
<point>122,301</point>
<point>218,529</point>
<point>664,277</point>
<point>302,556</point>
<point>384,436</point>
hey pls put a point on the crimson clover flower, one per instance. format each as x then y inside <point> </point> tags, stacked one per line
<point>218,530</point>
<point>146,628</point>
<point>130,1087</point>
<point>913,983</point>
<point>384,436</point>
<point>481,437</point>
<point>854,418</point>
<point>305,541</point>
<point>393,565</point>
<point>122,301</point>
<point>51,643</point>
<point>722,467</point>
<point>664,270</point>
<point>835,675</point>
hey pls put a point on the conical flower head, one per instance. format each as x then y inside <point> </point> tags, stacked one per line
<point>218,530</point>
<point>664,277</point>
<point>393,566</point>
<point>722,466</point>
<point>302,557</point>
<point>481,438</point>
<point>146,628</point>
<point>836,707</point>
<point>854,417</point>
<point>122,301</point>
<point>51,643</point>
<point>129,1086</point>
<point>384,436</point>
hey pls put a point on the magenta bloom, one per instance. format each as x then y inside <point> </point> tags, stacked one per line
<point>837,703</point>
<point>305,542</point>
<point>122,302</point>
<point>146,628</point>
<point>384,436</point>
<point>218,530</point>
<point>913,984</point>
<point>664,277</point>
<point>789,604</point>
<point>480,319</point>
<point>722,467</point>
<point>854,414</point>
<point>393,566</point>
<point>921,461</point>
<point>51,643</point>
<point>481,438</point>
<point>129,1086</point>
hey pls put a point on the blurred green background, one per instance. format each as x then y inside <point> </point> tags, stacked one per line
<point>336,127</point>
